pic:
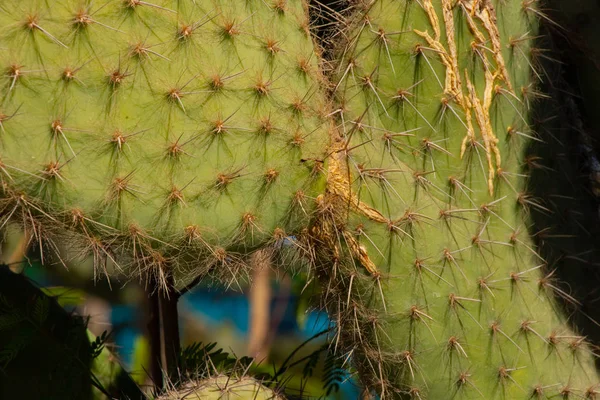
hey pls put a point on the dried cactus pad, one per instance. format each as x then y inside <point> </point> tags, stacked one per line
<point>167,121</point>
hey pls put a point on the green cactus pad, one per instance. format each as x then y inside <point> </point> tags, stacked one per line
<point>439,290</point>
<point>159,131</point>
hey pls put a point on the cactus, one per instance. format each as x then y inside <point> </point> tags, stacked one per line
<point>164,139</point>
<point>223,387</point>
<point>438,289</point>
<point>159,136</point>
<point>173,138</point>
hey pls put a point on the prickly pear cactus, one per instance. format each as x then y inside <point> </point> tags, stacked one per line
<point>173,134</point>
<point>156,134</point>
<point>439,291</point>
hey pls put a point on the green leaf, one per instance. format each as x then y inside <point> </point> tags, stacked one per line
<point>141,360</point>
<point>8,321</point>
<point>66,296</point>
<point>40,309</point>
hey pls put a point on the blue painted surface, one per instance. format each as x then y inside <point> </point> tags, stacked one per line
<point>123,319</point>
<point>216,307</point>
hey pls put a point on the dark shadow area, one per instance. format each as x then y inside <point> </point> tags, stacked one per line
<point>45,351</point>
<point>564,179</point>
<point>325,17</point>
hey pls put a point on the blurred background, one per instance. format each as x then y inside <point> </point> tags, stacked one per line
<point>271,321</point>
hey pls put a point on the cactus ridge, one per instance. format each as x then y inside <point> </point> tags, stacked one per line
<point>154,135</point>
<point>436,285</point>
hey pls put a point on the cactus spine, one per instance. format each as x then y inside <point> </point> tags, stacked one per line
<point>223,387</point>
<point>159,136</point>
<point>438,289</point>
<point>173,138</point>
